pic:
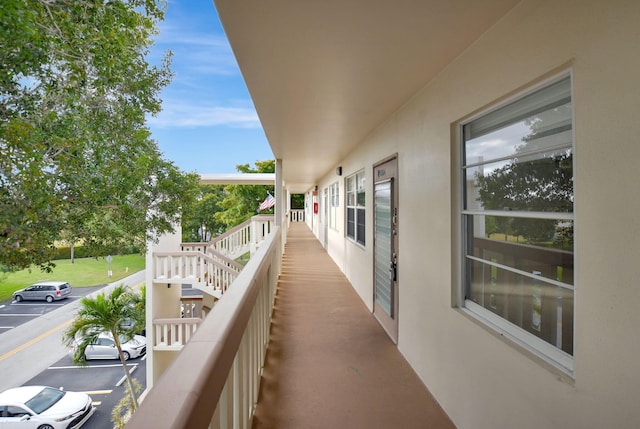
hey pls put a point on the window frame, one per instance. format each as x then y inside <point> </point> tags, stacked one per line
<point>355,187</point>
<point>544,350</point>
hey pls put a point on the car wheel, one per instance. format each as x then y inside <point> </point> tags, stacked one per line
<point>45,427</point>
<point>126,355</point>
<point>49,298</point>
<point>18,298</point>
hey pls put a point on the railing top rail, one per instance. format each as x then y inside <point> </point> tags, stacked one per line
<point>193,243</point>
<point>182,253</point>
<point>204,363</point>
<point>177,320</point>
<point>263,217</point>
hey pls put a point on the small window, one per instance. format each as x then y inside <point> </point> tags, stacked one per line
<point>355,202</point>
<point>14,411</point>
<point>107,342</point>
<point>517,220</point>
<point>334,196</point>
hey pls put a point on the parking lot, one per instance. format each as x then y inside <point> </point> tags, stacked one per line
<point>32,353</point>
<point>13,314</point>
<point>103,380</point>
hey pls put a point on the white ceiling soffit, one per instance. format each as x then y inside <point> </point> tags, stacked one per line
<point>324,73</point>
<point>238,179</point>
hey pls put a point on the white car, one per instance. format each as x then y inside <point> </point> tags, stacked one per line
<point>104,347</point>
<point>42,407</point>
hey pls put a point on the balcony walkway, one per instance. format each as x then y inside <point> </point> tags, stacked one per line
<point>329,363</point>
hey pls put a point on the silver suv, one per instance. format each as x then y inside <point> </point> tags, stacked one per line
<point>44,291</point>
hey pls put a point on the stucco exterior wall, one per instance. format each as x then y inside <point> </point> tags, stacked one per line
<point>481,380</point>
<point>160,297</point>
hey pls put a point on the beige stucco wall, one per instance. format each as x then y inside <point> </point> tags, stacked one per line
<point>159,301</point>
<point>481,380</point>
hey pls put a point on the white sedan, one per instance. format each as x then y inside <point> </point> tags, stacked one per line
<point>42,407</point>
<point>104,347</point>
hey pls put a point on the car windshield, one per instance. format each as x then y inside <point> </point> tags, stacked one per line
<point>45,399</point>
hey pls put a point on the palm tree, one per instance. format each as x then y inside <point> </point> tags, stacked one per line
<point>108,313</point>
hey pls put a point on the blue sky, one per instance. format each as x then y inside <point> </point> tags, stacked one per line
<point>208,123</point>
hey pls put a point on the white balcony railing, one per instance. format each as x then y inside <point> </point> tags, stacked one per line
<point>193,306</point>
<point>173,334</point>
<point>296,215</point>
<point>214,381</point>
<point>208,249</point>
<point>197,268</point>
<point>243,238</point>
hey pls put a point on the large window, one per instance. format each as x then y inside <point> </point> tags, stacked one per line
<point>355,206</point>
<point>334,196</point>
<point>517,220</point>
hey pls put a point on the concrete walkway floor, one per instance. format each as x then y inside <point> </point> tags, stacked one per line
<point>329,363</point>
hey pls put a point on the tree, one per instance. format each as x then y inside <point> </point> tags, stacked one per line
<point>537,179</point>
<point>200,220</point>
<point>119,313</point>
<point>77,157</point>
<point>124,409</point>
<point>242,201</point>
<point>297,201</point>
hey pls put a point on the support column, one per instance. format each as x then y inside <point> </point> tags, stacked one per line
<point>279,211</point>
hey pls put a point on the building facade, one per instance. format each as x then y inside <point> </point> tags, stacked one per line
<point>539,330</point>
<point>485,212</point>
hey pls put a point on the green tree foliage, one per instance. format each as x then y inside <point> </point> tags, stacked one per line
<point>200,220</point>
<point>297,201</point>
<point>242,201</point>
<point>535,180</point>
<point>77,157</point>
<point>110,313</point>
<point>540,185</point>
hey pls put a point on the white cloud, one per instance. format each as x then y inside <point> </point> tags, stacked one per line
<point>195,52</point>
<point>179,115</point>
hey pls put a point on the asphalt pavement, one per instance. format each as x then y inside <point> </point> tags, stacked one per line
<point>32,347</point>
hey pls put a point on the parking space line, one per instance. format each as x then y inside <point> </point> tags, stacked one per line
<point>33,341</point>
<point>115,365</point>
<point>124,377</point>
<point>98,392</point>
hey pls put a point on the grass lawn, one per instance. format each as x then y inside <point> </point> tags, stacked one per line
<point>244,258</point>
<point>83,273</point>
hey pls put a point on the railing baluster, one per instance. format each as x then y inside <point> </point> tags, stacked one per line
<point>173,334</point>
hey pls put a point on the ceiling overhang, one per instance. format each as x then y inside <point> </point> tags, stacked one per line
<point>324,74</point>
<point>238,179</point>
